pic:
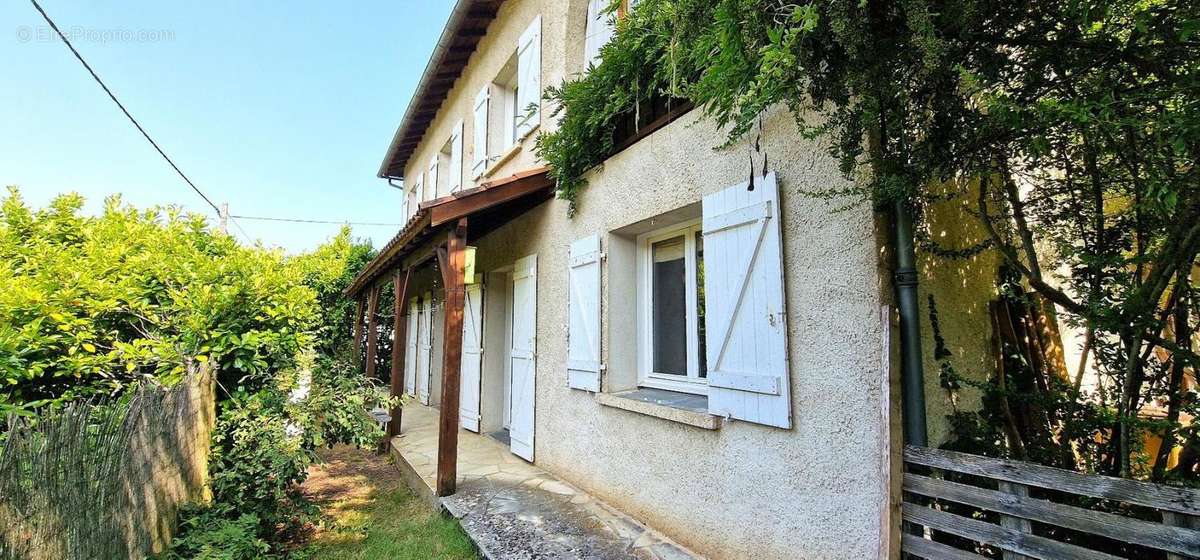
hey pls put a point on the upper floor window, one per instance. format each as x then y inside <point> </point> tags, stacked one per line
<point>508,110</point>
<point>450,160</point>
<point>413,197</point>
<point>506,87</point>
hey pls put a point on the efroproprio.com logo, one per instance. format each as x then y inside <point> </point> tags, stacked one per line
<point>82,34</point>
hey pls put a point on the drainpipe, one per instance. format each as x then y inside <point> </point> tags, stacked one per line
<point>912,372</point>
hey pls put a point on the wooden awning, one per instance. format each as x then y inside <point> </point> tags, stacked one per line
<point>489,206</point>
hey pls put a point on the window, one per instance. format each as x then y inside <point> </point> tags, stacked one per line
<point>431,179</point>
<point>505,122</point>
<point>415,195</point>
<point>671,309</point>
<point>450,159</point>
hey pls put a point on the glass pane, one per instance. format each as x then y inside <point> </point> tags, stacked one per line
<point>700,303</point>
<point>669,307</point>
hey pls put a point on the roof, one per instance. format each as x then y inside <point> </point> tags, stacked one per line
<point>488,206</point>
<point>468,24</point>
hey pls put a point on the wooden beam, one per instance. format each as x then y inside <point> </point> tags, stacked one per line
<point>487,197</point>
<point>399,345</point>
<point>372,328</point>
<point>356,340</point>
<point>452,261</point>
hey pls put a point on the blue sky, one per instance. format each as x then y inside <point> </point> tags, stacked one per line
<point>281,109</point>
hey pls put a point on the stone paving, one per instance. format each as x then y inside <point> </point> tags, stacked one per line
<point>512,509</point>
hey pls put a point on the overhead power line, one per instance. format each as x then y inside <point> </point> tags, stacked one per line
<point>305,221</point>
<point>122,107</point>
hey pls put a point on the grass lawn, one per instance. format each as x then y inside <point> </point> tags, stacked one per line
<point>377,516</point>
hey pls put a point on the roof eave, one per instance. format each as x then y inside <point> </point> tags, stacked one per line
<point>454,25</point>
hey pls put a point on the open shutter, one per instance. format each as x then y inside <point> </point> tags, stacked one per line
<point>418,194</point>
<point>425,349</point>
<point>410,347</point>
<point>471,367</point>
<point>583,328</point>
<point>480,131</point>
<point>431,179</point>
<point>600,29</point>
<point>523,356</point>
<point>529,78</point>
<point>456,159</point>
<point>745,320</point>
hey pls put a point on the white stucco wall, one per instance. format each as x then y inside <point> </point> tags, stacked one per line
<point>744,491</point>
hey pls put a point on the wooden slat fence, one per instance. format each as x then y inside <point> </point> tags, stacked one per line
<point>968,507</point>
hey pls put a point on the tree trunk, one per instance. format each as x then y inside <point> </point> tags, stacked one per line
<point>1183,338</point>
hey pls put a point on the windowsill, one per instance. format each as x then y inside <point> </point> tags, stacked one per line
<point>502,159</point>
<point>668,405</point>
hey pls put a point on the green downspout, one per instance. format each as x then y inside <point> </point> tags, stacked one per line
<point>912,372</point>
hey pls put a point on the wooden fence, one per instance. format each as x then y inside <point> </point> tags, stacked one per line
<point>967,507</point>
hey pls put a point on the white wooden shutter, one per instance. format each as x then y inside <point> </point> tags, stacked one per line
<point>523,356</point>
<point>456,159</point>
<point>431,180</point>
<point>410,347</point>
<point>472,358</point>
<point>745,320</point>
<point>600,30</point>
<point>480,131</point>
<point>583,327</point>
<point>425,348</point>
<point>529,78</point>
<point>418,193</point>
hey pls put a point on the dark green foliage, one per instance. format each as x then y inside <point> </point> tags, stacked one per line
<point>256,464</point>
<point>206,535</point>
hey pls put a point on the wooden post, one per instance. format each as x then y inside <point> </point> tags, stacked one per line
<point>399,346</point>
<point>372,329</point>
<point>355,347</point>
<point>452,261</point>
<point>1015,523</point>
<point>1180,520</point>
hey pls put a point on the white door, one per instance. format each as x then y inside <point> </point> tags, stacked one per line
<point>410,347</point>
<point>522,355</point>
<point>472,358</point>
<point>424,348</point>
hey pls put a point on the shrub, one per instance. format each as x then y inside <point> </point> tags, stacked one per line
<point>88,304</point>
<point>204,535</point>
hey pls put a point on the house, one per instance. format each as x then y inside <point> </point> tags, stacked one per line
<point>700,344</point>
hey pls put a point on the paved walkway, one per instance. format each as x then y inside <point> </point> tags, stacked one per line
<point>515,510</point>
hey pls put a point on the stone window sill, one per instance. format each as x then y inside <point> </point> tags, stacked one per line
<point>667,405</point>
<point>502,159</point>
<point>508,154</point>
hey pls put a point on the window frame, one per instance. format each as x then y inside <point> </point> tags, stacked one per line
<point>504,88</point>
<point>647,377</point>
